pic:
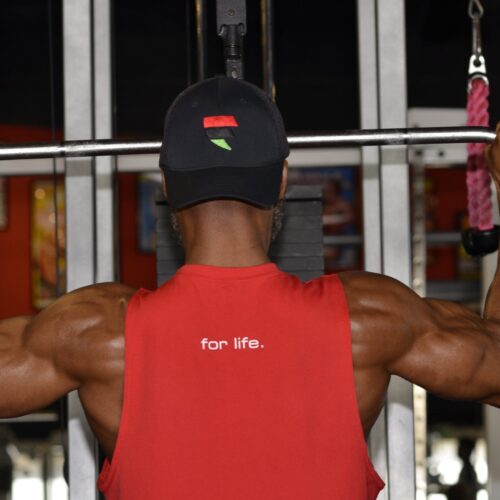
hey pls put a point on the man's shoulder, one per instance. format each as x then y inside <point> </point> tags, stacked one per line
<point>364,281</point>
<point>82,329</point>
<point>101,292</point>
<point>368,294</point>
<point>95,308</point>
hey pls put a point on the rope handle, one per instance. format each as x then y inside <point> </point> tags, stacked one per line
<point>482,237</point>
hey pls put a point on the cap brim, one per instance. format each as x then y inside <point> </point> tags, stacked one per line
<point>259,186</point>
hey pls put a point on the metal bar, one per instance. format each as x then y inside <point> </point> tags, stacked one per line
<point>434,238</point>
<point>31,418</point>
<point>201,39</point>
<point>492,421</point>
<point>342,240</point>
<point>78,119</point>
<point>382,137</point>
<point>371,184</point>
<point>394,137</point>
<point>369,119</point>
<point>103,129</point>
<point>396,230</point>
<point>189,43</point>
<point>267,36</point>
<point>419,259</point>
<point>303,158</point>
<point>437,238</point>
<point>418,229</point>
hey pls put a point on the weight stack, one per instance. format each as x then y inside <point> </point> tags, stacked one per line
<point>297,250</point>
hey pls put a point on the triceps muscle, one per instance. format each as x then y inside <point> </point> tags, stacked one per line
<point>458,357</point>
<point>11,363</point>
<point>491,366</point>
<point>441,346</point>
<point>11,332</point>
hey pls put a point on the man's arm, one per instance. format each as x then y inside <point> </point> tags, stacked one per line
<point>438,345</point>
<point>46,356</point>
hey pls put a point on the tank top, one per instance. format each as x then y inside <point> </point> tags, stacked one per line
<point>239,385</point>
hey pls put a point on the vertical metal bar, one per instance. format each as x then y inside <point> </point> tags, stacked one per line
<point>201,39</point>
<point>78,105</point>
<point>396,231</point>
<point>419,286</point>
<point>189,42</point>
<point>492,415</point>
<point>267,35</point>
<point>103,119</point>
<point>492,421</point>
<point>418,229</point>
<point>370,157</point>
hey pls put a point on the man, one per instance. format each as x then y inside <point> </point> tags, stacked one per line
<point>234,380</point>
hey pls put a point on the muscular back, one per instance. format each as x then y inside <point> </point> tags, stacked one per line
<point>78,344</point>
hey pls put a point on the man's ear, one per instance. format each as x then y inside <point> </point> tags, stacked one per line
<point>164,185</point>
<point>284,180</point>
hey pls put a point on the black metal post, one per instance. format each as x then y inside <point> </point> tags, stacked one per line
<point>201,39</point>
<point>231,27</point>
<point>267,35</point>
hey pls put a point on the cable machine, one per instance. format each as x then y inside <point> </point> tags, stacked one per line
<point>88,150</point>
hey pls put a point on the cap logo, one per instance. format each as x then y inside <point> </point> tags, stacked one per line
<point>218,130</point>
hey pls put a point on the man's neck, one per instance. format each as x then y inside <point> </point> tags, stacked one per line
<point>225,236</point>
<point>226,254</point>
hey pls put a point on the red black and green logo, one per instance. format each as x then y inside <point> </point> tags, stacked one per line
<point>219,129</point>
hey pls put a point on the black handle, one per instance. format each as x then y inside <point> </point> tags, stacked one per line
<point>479,243</point>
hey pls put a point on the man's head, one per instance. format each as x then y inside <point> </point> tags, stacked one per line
<point>223,156</point>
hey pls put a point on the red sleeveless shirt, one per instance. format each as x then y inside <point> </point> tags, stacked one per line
<point>239,386</point>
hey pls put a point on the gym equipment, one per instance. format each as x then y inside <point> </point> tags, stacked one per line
<point>382,137</point>
<point>482,237</point>
<point>231,27</point>
<point>381,51</point>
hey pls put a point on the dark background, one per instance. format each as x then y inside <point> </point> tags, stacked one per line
<point>316,60</point>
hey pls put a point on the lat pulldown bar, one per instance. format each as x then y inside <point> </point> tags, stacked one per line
<point>387,137</point>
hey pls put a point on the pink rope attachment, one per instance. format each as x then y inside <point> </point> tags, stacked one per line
<point>478,177</point>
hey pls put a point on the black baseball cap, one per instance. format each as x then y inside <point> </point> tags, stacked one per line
<point>223,139</point>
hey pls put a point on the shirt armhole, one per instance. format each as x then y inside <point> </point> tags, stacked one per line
<point>372,475</point>
<point>108,471</point>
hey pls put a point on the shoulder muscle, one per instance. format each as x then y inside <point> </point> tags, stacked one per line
<point>79,329</point>
<point>380,308</point>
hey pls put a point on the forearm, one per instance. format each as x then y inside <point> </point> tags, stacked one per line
<point>492,305</point>
<point>491,316</point>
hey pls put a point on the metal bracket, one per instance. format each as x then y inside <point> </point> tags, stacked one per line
<point>231,27</point>
<point>477,69</point>
<point>477,63</point>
